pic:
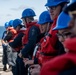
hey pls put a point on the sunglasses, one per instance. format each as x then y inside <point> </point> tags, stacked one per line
<point>63,34</point>
<point>51,8</point>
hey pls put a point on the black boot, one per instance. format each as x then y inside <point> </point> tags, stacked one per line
<point>4,68</point>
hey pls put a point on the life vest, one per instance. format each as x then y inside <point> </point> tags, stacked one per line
<point>38,53</point>
<point>48,50</point>
<point>22,30</point>
<point>13,31</point>
<point>37,49</point>
<point>63,62</point>
<point>25,38</point>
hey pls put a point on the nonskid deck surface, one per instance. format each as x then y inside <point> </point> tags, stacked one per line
<point>1,65</point>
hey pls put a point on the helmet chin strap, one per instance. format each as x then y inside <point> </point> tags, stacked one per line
<point>27,20</point>
<point>47,27</point>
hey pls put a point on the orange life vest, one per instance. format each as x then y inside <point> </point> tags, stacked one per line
<point>25,38</point>
<point>20,31</point>
<point>13,31</point>
<point>63,63</point>
<point>48,50</point>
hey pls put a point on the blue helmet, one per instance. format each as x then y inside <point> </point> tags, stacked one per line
<point>73,1</point>
<point>71,9</point>
<point>55,2</point>
<point>16,22</point>
<point>62,21</point>
<point>28,13</point>
<point>6,25</point>
<point>44,17</point>
<point>11,23</point>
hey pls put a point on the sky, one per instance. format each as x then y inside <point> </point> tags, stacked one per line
<point>12,9</point>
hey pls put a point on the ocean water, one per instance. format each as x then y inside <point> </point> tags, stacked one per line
<point>2,29</point>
